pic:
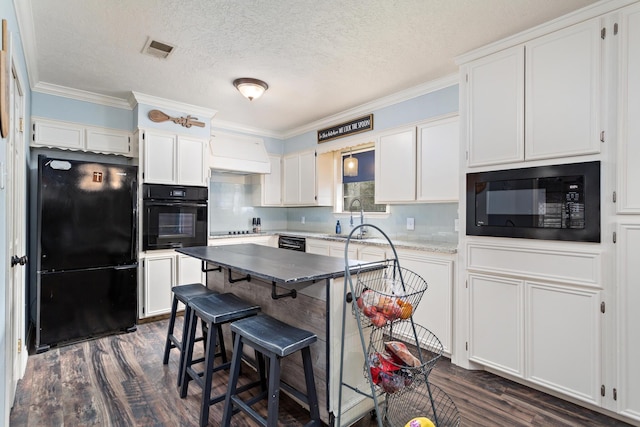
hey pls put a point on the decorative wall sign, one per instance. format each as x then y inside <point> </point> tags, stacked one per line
<point>158,116</point>
<point>4,82</point>
<point>361,124</point>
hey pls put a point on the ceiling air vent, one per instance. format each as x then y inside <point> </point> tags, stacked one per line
<point>157,49</point>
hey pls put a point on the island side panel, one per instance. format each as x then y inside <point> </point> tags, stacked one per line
<point>354,405</point>
<point>307,311</point>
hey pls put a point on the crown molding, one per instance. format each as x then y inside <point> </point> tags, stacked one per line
<point>27,31</point>
<point>588,12</point>
<point>238,127</point>
<point>141,98</point>
<point>386,101</point>
<point>136,98</point>
<point>81,95</point>
<point>377,104</point>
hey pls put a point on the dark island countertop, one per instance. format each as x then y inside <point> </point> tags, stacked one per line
<point>271,264</point>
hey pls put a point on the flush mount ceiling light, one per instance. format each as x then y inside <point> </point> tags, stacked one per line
<point>350,165</point>
<point>250,88</point>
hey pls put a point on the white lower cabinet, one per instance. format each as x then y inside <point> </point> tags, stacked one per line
<point>161,272</point>
<point>317,246</point>
<point>435,309</point>
<point>496,323</point>
<point>159,277</point>
<point>628,317</point>
<point>337,250</point>
<point>546,333</point>
<point>189,271</point>
<point>258,240</point>
<point>562,330</point>
<point>368,253</point>
<point>372,253</point>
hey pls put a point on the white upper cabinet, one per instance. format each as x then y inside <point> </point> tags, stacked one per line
<point>159,158</point>
<point>173,159</point>
<point>108,141</point>
<point>395,166</point>
<point>628,189</point>
<point>535,101</point>
<point>268,186</point>
<point>191,161</point>
<point>307,179</point>
<point>495,118</point>
<point>74,136</point>
<point>49,133</point>
<point>419,164</point>
<point>563,92</point>
<point>291,175</point>
<point>438,161</point>
<point>307,164</point>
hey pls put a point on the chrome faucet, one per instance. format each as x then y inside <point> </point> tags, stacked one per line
<point>361,216</point>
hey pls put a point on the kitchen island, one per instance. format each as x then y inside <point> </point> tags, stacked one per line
<point>306,291</point>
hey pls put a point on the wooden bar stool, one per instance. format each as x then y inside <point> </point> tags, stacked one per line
<point>274,340</point>
<point>213,311</point>
<point>184,294</point>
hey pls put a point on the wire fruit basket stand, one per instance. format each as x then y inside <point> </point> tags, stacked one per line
<point>399,354</point>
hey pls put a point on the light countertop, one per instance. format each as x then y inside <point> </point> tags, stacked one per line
<point>418,244</point>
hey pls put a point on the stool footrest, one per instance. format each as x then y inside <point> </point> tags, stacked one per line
<point>193,373</point>
<point>249,411</point>
<point>255,399</point>
<point>214,400</point>
<point>295,392</point>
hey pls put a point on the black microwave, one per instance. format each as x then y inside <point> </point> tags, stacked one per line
<point>559,202</point>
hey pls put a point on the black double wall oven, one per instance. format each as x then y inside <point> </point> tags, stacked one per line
<point>557,202</point>
<point>174,216</point>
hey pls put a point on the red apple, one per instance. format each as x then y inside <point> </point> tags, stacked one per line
<point>369,311</point>
<point>378,320</point>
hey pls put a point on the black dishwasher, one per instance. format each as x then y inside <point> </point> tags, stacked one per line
<point>292,243</point>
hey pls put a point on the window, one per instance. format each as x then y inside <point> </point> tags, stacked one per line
<point>362,186</point>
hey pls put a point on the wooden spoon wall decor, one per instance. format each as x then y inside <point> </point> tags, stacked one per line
<point>158,117</point>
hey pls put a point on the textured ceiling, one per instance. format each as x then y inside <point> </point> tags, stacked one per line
<point>318,57</point>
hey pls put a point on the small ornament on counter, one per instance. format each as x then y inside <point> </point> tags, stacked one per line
<point>338,227</point>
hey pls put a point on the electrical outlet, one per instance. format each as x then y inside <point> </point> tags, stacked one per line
<point>456,224</point>
<point>302,220</point>
<point>411,225</point>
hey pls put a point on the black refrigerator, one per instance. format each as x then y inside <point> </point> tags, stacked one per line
<point>87,257</point>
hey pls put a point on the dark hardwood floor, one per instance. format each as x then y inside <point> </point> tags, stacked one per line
<point>120,381</point>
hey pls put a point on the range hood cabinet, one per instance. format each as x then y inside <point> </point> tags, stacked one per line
<point>238,154</point>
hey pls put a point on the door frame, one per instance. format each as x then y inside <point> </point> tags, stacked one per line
<point>16,353</point>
